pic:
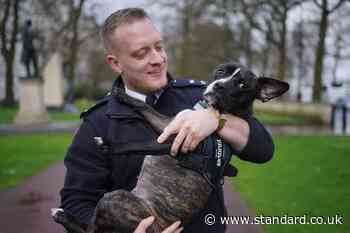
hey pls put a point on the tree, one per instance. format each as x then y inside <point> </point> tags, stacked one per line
<point>340,29</point>
<point>270,17</point>
<point>9,32</point>
<point>188,16</point>
<point>75,13</point>
<point>326,10</point>
<point>65,31</point>
<point>298,39</point>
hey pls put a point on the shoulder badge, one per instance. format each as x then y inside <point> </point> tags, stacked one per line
<point>98,104</point>
<point>188,83</point>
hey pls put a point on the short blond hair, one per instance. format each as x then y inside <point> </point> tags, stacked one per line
<point>120,17</point>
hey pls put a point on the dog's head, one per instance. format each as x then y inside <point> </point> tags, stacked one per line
<point>235,88</point>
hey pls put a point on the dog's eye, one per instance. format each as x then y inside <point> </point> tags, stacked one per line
<point>242,85</point>
<point>220,72</point>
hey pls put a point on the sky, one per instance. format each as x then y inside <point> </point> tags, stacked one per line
<point>106,7</point>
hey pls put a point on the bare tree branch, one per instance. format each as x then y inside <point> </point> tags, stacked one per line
<point>318,4</point>
<point>335,7</point>
<point>88,36</point>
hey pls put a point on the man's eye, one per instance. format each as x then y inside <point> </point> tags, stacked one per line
<point>140,54</point>
<point>159,47</point>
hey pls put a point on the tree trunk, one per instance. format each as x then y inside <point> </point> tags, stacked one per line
<point>9,53</point>
<point>186,44</point>
<point>9,93</point>
<point>74,49</point>
<point>266,51</point>
<point>227,38</point>
<point>336,57</point>
<point>320,52</point>
<point>248,48</point>
<point>282,47</point>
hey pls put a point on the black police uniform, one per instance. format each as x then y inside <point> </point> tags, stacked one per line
<point>91,174</point>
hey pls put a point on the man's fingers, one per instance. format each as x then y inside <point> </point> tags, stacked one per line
<point>173,127</point>
<point>179,230</point>
<point>173,228</point>
<point>180,137</point>
<point>144,224</point>
<point>164,136</point>
<point>168,131</point>
<point>194,144</point>
<point>186,145</point>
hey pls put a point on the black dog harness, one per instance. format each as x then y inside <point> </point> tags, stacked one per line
<point>209,160</point>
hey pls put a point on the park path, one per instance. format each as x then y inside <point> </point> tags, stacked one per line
<point>26,208</point>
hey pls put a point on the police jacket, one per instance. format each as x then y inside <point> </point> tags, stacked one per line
<point>90,173</point>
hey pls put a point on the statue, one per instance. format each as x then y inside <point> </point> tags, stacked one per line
<point>29,54</point>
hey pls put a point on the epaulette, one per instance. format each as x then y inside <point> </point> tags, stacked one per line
<point>97,105</point>
<point>188,83</point>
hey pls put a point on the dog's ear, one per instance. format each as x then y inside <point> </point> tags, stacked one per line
<point>269,88</point>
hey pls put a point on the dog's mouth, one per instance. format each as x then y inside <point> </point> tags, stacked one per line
<point>210,98</point>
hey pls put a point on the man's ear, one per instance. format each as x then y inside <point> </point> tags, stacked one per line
<point>113,62</point>
<point>269,88</point>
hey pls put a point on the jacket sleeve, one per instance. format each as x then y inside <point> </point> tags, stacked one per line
<point>87,176</point>
<point>260,147</point>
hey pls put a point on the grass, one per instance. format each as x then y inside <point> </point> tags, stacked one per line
<point>309,175</point>
<point>22,156</point>
<point>271,119</point>
<point>8,114</point>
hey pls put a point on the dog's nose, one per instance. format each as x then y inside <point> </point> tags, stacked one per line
<point>218,86</point>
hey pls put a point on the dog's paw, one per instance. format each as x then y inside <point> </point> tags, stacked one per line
<point>58,215</point>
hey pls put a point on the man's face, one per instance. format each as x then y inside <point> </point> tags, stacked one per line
<point>138,54</point>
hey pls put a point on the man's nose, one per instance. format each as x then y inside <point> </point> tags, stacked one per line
<point>157,57</point>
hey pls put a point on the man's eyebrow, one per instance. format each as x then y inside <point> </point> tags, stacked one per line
<point>146,46</point>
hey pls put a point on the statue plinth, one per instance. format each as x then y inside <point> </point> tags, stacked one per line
<point>32,109</point>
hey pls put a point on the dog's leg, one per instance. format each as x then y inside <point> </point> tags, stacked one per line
<point>70,223</point>
<point>120,212</point>
<point>157,120</point>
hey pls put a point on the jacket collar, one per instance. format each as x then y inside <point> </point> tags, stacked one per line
<point>116,109</point>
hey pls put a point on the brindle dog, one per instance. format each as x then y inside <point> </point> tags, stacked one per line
<point>167,188</point>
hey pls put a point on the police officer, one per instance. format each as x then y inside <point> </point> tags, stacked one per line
<point>135,51</point>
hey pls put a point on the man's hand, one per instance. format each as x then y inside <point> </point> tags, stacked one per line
<point>145,223</point>
<point>191,128</point>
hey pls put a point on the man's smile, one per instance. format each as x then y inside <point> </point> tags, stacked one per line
<point>156,72</point>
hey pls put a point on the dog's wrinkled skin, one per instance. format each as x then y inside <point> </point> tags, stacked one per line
<point>164,188</point>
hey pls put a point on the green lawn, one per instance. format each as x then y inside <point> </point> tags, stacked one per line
<point>8,114</point>
<point>270,119</point>
<point>24,155</point>
<point>308,175</point>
